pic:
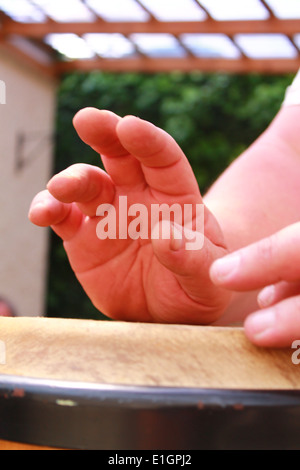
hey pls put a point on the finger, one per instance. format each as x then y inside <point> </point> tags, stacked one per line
<point>46,211</point>
<point>97,128</point>
<point>277,326</point>
<point>165,167</point>
<point>86,185</point>
<point>266,262</point>
<point>274,293</point>
<point>188,256</point>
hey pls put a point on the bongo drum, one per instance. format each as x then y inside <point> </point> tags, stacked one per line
<point>84,384</point>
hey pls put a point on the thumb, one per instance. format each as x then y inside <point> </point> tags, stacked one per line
<point>189,255</point>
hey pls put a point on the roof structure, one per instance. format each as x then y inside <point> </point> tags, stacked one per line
<point>153,35</point>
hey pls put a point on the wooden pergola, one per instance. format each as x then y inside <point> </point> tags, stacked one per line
<point>26,40</point>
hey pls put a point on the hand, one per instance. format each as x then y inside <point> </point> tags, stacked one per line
<point>272,263</point>
<point>133,279</point>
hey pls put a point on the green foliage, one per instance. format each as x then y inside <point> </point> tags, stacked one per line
<point>212,117</point>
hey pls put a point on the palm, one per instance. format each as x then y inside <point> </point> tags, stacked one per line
<point>135,279</point>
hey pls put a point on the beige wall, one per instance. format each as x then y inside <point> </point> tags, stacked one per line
<point>29,109</point>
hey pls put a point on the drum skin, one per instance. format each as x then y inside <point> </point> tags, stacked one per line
<point>80,384</point>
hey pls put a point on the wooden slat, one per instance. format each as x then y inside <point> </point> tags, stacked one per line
<point>268,8</point>
<point>34,30</point>
<point>187,64</point>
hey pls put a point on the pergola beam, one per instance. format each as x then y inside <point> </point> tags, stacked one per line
<point>39,30</point>
<point>36,32</point>
<point>187,64</point>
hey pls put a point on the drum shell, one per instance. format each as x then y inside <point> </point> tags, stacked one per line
<point>67,415</point>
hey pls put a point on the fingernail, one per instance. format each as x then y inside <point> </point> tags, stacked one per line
<point>260,323</point>
<point>266,296</point>
<point>225,267</point>
<point>176,238</point>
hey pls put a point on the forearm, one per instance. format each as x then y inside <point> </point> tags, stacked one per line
<point>259,193</point>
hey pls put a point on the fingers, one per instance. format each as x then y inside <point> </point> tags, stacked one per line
<point>86,185</point>
<point>266,262</point>
<point>277,326</point>
<point>97,128</point>
<point>46,211</point>
<point>164,165</point>
<point>136,153</point>
<point>274,293</point>
<point>188,256</point>
<point>273,262</point>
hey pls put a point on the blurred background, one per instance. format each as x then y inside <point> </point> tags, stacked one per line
<point>211,73</point>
